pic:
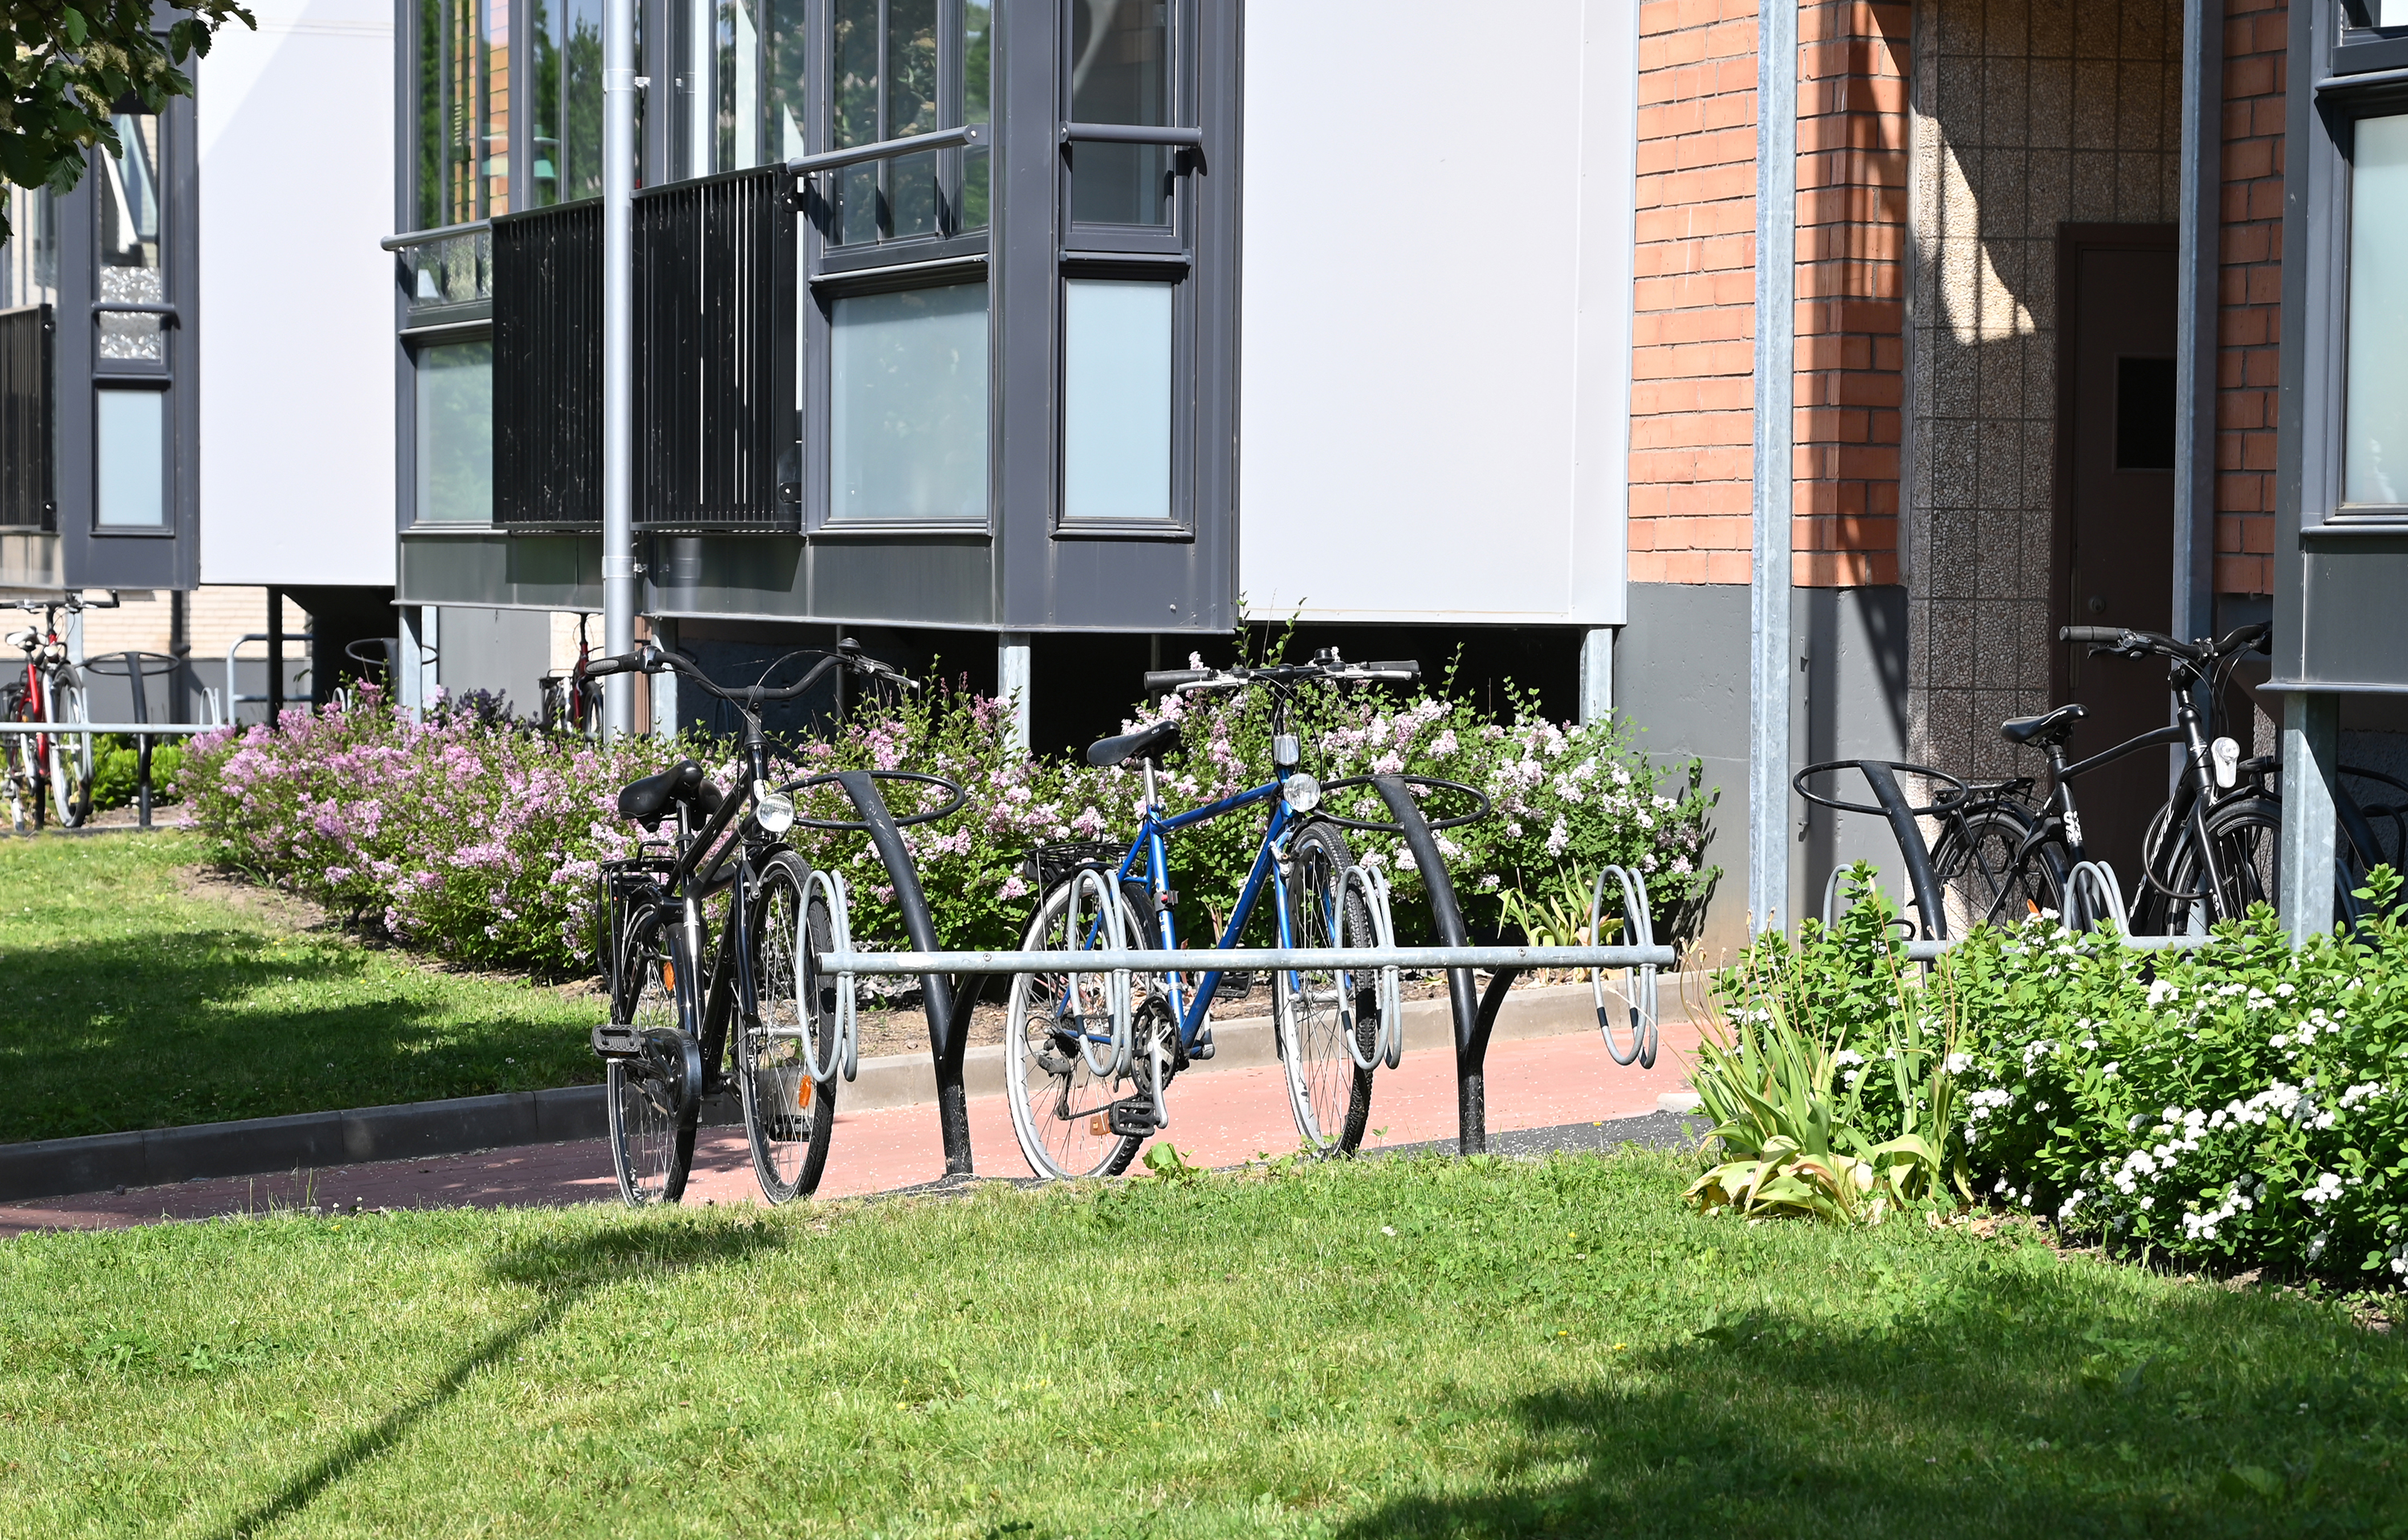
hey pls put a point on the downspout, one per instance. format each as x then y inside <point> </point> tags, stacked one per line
<point>2200,246</point>
<point>1776,328</point>
<point>619,89</point>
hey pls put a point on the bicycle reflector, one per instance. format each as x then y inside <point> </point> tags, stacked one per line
<point>772,810</point>
<point>1303,791</point>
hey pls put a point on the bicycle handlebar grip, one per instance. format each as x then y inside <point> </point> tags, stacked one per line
<point>632,662</point>
<point>2105,635</point>
<point>1405,669</point>
<point>1163,681</point>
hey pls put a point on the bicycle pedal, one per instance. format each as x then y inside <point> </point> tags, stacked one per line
<point>614,1041</point>
<point>1202,1047</point>
<point>1134,1117</point>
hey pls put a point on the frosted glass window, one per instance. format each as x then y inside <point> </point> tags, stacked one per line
<point>2374,462</point>
<point>2391,13</point>
<point>131,427</point>
<point>908,406</point>
<point>1116,400</point>
<point>455,434</point>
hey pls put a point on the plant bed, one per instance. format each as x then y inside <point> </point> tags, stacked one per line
<point>1417,1346</point>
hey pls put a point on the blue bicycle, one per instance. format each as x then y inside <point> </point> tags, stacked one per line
<point>1089,1055</point>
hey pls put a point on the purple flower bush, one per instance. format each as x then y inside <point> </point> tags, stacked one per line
<point>480,840</point>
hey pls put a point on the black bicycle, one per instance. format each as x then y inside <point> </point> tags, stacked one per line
<point>679,984</point>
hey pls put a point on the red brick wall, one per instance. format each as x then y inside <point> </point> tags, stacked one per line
<point>1852,170</point>
<point>2249,295</point>
<point>1693,327</point>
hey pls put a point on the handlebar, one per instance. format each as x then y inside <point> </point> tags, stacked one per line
<point>2119,642</point>
<point>847,654</point>
<point>71,602</point>
<point>1326,665</point>
<point>1163,681</point>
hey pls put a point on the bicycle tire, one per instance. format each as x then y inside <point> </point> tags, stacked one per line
<point>1327,1090</point>
<point>656,1099</point>
<point>1982,879</point>
<point>71,757</point>
<point>2249,836</point>
<point>788,1116</point>
<point>1057,1100</point>
<point>24,768</point>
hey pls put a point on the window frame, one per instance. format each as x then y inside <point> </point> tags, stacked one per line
<point>2372,89</point>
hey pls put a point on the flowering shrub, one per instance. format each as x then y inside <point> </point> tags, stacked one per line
<point>479,839</point>
<point>2240,1105</point>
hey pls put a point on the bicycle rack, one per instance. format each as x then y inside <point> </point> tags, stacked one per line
<point>2093,896</point>
<point>1388,1043</point>
<point>1638,926</point>
<point>847,1007</point>
<point>1890,805</point>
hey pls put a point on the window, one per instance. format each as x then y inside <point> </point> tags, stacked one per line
<point>130,440</point>
<point>130,251</point>
<point>1116,356</point>
<point>455,434</point>
<point>2375,459</point>
<point>1120,73</point>
<point>567,126</point>
<point>908,407</point>
<point>29,262</point>
<point>899,68</point>
<point>464,110</point>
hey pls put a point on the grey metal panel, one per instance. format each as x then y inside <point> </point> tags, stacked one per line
<point>926,582</point>
<point>2355,626</point>
<point>30,558</point>
<point>501,571</point>
<point>1681,673</point>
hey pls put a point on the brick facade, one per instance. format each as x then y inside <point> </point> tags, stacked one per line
<point>2249,295</point>
<point>1693,324</point>
<point>1851,384</point>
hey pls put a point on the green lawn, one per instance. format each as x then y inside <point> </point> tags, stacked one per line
<point>132,1004</point>
<point>1425,1348</point>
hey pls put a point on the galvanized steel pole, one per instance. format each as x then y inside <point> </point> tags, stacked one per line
<point>617,357</point>
<point>1768,664</point>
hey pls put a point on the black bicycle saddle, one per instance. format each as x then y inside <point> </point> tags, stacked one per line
<point>2045,730</point>
<point>646,800</point>
<point>1139,745</point>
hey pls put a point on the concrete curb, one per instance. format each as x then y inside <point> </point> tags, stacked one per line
<point>46,1168</point>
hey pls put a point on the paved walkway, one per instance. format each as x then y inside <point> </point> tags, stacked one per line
<point>1218,1118</point>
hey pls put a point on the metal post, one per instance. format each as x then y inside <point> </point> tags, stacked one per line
<point>663,685</point>
<point>275,658</point>
<point>1597,675</point>
<point>1472,1021</point>
<point>1011,682</point>
<point>414,668</point>
<point>2311,746</point>
<point>617,357</point>
<point>2200,249</point>
<point>1769,661</point>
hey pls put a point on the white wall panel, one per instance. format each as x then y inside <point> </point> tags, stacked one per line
<point>1437,305</point>
<point>296,372</point>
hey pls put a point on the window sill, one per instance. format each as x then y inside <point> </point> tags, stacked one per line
<point>887,529</point>
<point>1172,530</point>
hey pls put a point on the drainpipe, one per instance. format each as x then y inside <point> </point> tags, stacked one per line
<point>1769,665</point>
<point>618,87</point>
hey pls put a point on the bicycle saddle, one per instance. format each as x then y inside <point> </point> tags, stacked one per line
<point>1139,745</point>
<point>646,800</point>
<point>2044,731</point>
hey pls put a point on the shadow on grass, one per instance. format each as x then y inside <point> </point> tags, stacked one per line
<point>564,1270</point>
<point>2016,1407</point>
<point>183,1027</point>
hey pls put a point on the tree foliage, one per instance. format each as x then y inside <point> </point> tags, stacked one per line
<point>71,64</point>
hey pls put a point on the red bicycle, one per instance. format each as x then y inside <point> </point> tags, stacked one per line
<point>49,773</point>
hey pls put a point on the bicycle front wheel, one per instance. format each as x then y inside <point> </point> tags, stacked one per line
<point>1987,878</point>
<point>1062,1110</point>
<point>71,758</point>
<point>1316,1010</point>
<point>654,1098</point>
<point>2247,839</point>
<point>787,1114</point>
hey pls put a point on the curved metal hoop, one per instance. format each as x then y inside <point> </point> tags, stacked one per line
<point>1639,930</point>
<point>1116,983</point>
<point>1388,1043</point>
<point>2093,883</point>
<point>1484,808</point>
<point>960,797</point>
<point>1957,788</point>
<point>847,1047</point>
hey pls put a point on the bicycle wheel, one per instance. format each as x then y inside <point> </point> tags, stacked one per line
<point>1987,878</point>
<point>787,1115</point>
<point>1061,1109</point>
<point>1314,1010</point>
<point>2247,839</point>
<point>23,767</point>
<point>71,758</point>
<point>655,1098</point>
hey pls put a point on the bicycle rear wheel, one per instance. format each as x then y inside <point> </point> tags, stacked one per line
<point>71,757</point>
<point>655,1098</point>
<point>24,767</point>
<point>788,1115</point>
<point>1987,876</point>
<point>1061,1107</point>
<point>1316,1009</point>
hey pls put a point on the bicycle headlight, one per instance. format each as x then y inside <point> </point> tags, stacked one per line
<point>772,810</point>
<point>1303,791</point>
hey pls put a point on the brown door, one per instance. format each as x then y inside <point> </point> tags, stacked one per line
<point>2116,511</point>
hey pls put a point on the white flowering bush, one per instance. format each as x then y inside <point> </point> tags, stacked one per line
<point>479,839</point>
<point>2237,1105</point>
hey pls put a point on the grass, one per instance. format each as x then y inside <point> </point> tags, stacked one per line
<point>131,1003</point>
<point>1422,1347</point>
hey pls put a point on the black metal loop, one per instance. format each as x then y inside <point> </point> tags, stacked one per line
<point>1435,784</point>
<point>1958,788</point>
<point>960,797</point>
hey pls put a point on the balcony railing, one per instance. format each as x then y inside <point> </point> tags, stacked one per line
<point>547,291</point>
<point>28,495</point>
<point>447,272</point>
<point>718,446</point>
